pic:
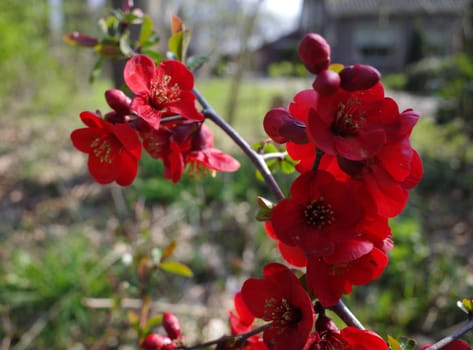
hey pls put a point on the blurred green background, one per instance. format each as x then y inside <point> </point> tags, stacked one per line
<point>69,246</point>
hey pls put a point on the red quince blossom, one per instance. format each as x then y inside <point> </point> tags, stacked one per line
<point>354,125</point>
<point>454,345</point>
<point>162,90</point>
<point>382,182</point>
<point>114,149</point>
<point>320,212</point>
<point>328,281</point>
<point>241,321</point>
<point>280,299</point>
<point>186,143</point>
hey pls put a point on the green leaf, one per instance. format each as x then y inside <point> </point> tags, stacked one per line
<point>195,62</point>
<point>468,304</point>
<point>152,322</point>
<point>336,67</point>
<point>125,47</point>
<point>146,30</point>
<point>178,44</point>
<point>176,268</point>
<point>407,343</point>
<point>156,56</point>
<point>97,69</point>
<point>393,343</point>
<point>288,166</point>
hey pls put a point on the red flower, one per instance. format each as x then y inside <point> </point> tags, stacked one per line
<point>454,345</point>
<point>320,213</point>
<point>241,322</point>
<point>280,299</point>
<point>328,281</point>
<point>114,149</point>
<point>354,125</point>
<point>161,90</point>
<point>186,143</point>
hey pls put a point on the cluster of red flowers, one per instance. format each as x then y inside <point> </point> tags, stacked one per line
<point>162,117</point>
<point>356,164</point>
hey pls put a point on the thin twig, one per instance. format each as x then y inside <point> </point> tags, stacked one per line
<point>257,160</point>
<point>455,335</point>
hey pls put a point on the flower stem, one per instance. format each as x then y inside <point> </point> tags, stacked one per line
<point>345,314</point>
<point>257,159</point>
<point>455,335</point>
<point>242,337</point>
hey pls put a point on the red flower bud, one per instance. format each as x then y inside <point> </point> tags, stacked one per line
<point>314,51</point>
<point>76,38</point>
<point>156,342</point>
<point>118,101</point>
<point>327,82</point>
<point>171,325</point>
<point>282,127</point>
<point>359,77</point>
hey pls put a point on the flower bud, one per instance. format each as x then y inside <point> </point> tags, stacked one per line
<point>171,325</point>
<point>327,82</point>
<point>282,127</point>
<point>314,52</point>
<point>324,324</point>
<point>118,101</point>
<point>359,77</point>
<point>76,38</point>
<point>156,342</point>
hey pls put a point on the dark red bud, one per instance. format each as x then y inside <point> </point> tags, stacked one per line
<point>327,82</point>
<point>119,102</point>
<point>359,77</point>
<point>325,323</point>
<point>314,52</point>
<point>156,342</point>
<point>76,38</point>
<point>282,127</point>
<point>114,117</point>
<point>171,325</point>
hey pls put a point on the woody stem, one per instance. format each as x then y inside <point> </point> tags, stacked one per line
<point>257,159</point>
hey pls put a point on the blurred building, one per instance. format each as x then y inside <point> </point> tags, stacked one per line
<point>388,34</point>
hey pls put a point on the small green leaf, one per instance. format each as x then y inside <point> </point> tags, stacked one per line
<point>288,166</point>
<point>178,44</point>
<point>195,62</point>
<point>407,343</point>
<point>393,343</point>
<point>264,203</point>
<point>156,56</point>
<point>125,47</point>
<point>152,322</point>
<point>336,67</point>
<point>146,30</point>
<point>468,304</point>
<point>176,268</point>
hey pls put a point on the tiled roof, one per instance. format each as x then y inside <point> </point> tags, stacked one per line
<point>344,8</point>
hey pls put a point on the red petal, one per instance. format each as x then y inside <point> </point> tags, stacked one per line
<point>129,139</point>
<point>348,251</point>
<point>302,102</point>
<point>83,138</point>
<point>104,172</point>
<point>178,72</point>
<point>363,339</point>
<point>140,105</point>
<point>326,286</point>
<point>255,292</point>
<point>128,169</point>
<point>368,267</point>
<point>138,73</point>
<point>92,120</point>
<point>292,254</point>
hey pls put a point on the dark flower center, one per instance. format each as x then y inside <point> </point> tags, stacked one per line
<point>319,213</point>
<point>281,312</point>
<point>162,93</point>
<point>349,119</point>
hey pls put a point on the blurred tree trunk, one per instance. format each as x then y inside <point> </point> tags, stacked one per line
<point>242,61</point>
